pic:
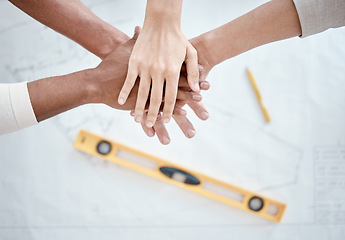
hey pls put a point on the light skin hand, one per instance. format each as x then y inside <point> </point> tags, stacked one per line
<point>111,74</point>
<point>203,57</point>
<point>187,96</point>
<point>195,104</point>
<point>157,58</point>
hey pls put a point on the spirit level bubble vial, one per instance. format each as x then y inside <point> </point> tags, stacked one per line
<point>179,176</point>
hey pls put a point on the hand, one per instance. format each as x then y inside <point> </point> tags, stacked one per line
<point>111,73</point>
<point>199,109</point>
<point>157,59</point>
<point>182,121</point>
<point>204,58</point>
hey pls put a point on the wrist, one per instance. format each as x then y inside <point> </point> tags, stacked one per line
<point>203,45</point>
<point>163,13</point>
<point>113,39</point>
<point>161,21</point>
<point>225,42</point>
<point>91,86</point>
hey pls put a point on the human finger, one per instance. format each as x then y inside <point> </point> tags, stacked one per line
<point>185,125</point>
<point>161,131</point>
<point>155,101</point>
<point>131,77</point>
<point>170,97</point>
<point>143,93</point>
<point>178,109</point>
<point>188,95</point>
<point>199,109</point>
<point>192,69</point>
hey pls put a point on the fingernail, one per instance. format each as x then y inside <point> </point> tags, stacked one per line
<point>150,133</point>
<point>166,119</point>
<point>205,85</point>
<point>138,119</point>
<point>165,140</point>
<point>197,97</point>
<point>149,124</point>
<point>204,115</point>
<point>191,133</point>
<point>121,101</point>
<point>132,113</point>
<point>183,112</point>
<point>196,86</point>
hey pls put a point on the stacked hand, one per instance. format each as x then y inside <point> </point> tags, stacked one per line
<point>156,79</point>
<point>157,59</point>
<point>205,66</point>
<point>111,74</point>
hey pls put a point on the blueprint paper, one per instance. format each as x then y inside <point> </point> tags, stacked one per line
<point>49,190</point>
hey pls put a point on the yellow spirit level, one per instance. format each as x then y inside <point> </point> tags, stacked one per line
<point>179,176</point>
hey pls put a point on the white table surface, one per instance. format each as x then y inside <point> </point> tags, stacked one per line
<point>49,190</point>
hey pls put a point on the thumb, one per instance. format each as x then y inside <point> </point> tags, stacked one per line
<point>192,69</point>
<point>137,31</point>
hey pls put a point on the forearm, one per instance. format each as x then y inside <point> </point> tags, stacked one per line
<point>74,20</point>
<point>272,21</point>
<point>54,95</point>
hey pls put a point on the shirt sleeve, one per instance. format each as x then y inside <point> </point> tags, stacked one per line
<point>16,111</point>
<point>319,15</point>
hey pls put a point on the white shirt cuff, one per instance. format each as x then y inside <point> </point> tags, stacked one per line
<point>21,105</point>
<point>16,110</point>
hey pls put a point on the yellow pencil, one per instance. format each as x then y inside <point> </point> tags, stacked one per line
<point>258,96</point>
